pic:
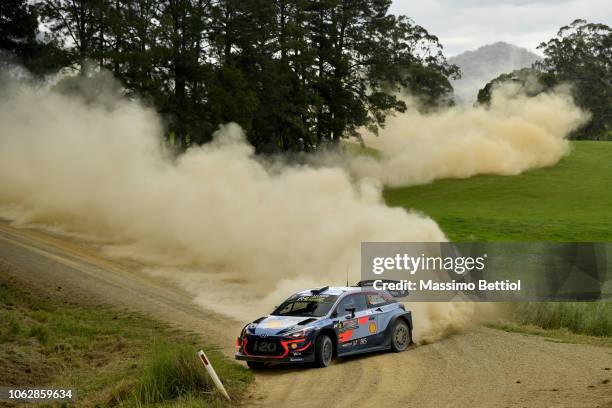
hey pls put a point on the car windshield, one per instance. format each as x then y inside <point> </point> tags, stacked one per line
<point>315,305</point>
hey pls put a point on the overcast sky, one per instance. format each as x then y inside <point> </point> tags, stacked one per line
<point>468,24</point>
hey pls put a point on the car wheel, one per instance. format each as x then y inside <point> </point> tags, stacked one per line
<point>324,351</point>
<point>257,365</point>
<point>401,337</point>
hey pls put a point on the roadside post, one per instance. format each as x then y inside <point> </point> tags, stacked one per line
<point>213,374</point>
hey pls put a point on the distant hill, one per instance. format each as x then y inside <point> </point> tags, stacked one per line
<point>480,66</point>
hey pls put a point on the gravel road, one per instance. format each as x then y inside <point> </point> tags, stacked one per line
<point>479,368</point>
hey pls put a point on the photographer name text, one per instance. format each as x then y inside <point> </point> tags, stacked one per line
<point>430,285</point>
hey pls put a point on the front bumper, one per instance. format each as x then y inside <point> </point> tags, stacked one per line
<point>290,350</point>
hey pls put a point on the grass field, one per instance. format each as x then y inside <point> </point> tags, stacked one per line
<point>46,342</point>
<point>570,202</point>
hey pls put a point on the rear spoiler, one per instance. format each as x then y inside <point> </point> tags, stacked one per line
<point>397,293</point>
<point>319,291</point>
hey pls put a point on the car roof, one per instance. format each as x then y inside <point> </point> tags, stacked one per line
<point>337,290</point>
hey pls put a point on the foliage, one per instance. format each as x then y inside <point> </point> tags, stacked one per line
<point>293,73</point>
<point>18,38</point>
<point>580,55</point>
<point>48,342</point>
<point>171,372</point>
<point>530,81</point>
<point>591,318</point>
<point>18,25</point>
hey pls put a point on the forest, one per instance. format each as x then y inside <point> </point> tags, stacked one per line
<point>294,74</point>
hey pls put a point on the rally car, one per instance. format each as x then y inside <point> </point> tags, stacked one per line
<point>315,326</point>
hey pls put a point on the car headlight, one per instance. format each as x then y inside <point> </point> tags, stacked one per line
<point>248,329</point>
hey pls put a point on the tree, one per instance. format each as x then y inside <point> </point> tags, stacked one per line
<point>531,82</point>
<point>292,73</point>
<point>425,71</point>
<point>18,26</point>
<point>78,25</point>
<point>581,54</point>
<point>19,38</point>
<point>364,57</point>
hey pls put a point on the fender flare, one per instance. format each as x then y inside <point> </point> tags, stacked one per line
<point>407,318</point>
<point>328,330</point>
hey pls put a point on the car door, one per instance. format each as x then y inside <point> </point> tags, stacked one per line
<point>352,330</point>
<point>378,318</point>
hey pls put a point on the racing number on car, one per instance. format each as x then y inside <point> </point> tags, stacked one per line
<point>264,347</point>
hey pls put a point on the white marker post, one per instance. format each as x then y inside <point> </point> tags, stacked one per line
<point>213,374</point>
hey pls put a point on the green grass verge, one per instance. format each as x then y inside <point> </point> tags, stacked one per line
<point>570,202</point>
<point>110,358</point>
<point>562,335</point>
<point>591,318</point>
<point>559,319</point>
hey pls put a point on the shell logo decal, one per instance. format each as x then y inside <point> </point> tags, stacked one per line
<point>273,324</point>
<point>372,328</point>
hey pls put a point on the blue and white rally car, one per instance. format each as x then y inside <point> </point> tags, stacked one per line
<point>320,324</point>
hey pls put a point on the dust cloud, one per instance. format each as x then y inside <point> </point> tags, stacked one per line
<point>238,233</point>
<point>516,133</point>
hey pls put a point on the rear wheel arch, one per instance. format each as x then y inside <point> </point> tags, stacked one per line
<point>406,318</point>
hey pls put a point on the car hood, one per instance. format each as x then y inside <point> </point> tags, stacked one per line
<point>275,324</point>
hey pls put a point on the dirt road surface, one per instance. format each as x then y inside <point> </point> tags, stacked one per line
<point>479,368</point>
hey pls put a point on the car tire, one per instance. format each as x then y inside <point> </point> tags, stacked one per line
<point>257,365</point>
<point>401,336</point>
<point>324,351</point>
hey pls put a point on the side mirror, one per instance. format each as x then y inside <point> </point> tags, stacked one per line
<point>334,313</point>
<point>352,310</point>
